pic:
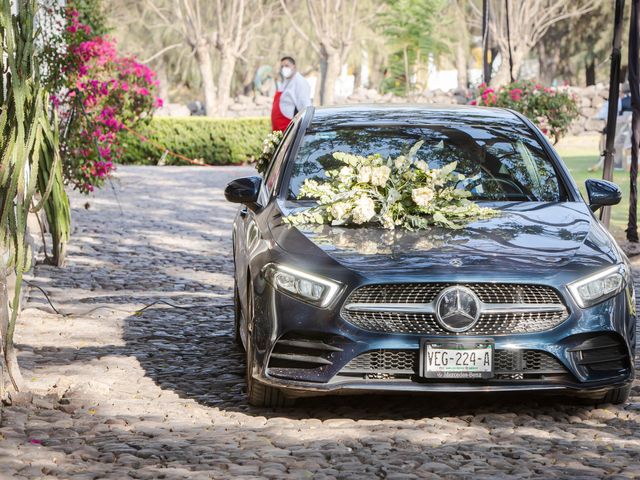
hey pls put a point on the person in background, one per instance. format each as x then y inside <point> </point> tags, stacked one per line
<point>292,95</point>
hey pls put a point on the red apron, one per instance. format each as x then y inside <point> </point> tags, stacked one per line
<point>278,119</point>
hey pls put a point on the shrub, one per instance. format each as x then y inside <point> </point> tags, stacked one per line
<point>97,93</point>
<point>551,109</point>
<point>213,141</point>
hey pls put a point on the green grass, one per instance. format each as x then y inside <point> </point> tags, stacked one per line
<point>581,153</point>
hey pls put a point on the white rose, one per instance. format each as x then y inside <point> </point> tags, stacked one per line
<point>364,210</point>
<point>380,175</point>
<point>400,163</point>
<point>422,165</point>
<point>346,171</point>
<point>422,196</point>
<point>364,174</point>
<point>387,222</point>
<point>339,210</point>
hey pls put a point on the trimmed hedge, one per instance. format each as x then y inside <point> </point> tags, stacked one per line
<point>215,141</point>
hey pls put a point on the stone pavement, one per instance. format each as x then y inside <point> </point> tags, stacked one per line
<point>159,394</point>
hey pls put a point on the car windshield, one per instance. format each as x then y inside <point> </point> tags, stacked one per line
<point>500,162</point>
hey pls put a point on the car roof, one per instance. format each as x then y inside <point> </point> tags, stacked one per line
<point>407,114</point>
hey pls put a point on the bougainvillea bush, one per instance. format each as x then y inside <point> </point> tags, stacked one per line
<point>98,95</point>
<point>551,109</point>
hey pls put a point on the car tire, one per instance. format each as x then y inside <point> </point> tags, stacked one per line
<point>259,394</point>
<point>237,317</point>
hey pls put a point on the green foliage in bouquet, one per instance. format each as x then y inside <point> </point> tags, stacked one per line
<point>401,192</point>
<point>269,147</point>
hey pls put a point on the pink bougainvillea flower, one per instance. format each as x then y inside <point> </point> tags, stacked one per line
<point>516,94</point>
<point>111,90</point>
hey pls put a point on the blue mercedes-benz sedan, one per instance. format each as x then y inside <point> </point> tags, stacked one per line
<point>536,298</point>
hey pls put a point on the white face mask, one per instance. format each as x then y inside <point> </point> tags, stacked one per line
<point>286,72</point>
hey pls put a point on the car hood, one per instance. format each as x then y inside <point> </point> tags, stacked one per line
<point>525,239</point>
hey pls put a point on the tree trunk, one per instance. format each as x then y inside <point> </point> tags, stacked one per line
<point>377,64</point>
<point>548,61</point>
<point>4,325</point>
<point>163,82</point>
<point>247,80</point>
<point>203,59</point>
<point>502,76</point>
<point>407,81</point>
<point>9,359</point>
<point>329,76</point>
<point>461,64</point>
<point>319,93</point>
<point>227,65</point>
<point>590,72</point>
<point>357,76</point>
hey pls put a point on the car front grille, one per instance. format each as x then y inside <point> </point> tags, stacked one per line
<point>427,292</point>
<point>508,364</point>
<point>489,323</point>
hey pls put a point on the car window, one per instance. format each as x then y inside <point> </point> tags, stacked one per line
<point>273,171</point>
<point>500,162</point>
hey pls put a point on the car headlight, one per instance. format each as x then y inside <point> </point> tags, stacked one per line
<point>310,288</point>
<point>599,286</point>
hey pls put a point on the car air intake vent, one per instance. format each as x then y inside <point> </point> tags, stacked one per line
<point>384,361</point>
<point>602,354</point>
<point>295,351</point>
<point>508,364</point>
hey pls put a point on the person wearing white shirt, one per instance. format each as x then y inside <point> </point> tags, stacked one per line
<point>293,95</point>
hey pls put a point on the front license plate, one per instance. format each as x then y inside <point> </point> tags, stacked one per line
<point>456,359</point>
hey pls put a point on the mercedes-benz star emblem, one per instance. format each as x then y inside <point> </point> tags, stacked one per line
<point>457,309</point>
<point>455,262</point>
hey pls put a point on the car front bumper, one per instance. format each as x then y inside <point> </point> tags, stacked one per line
<point>351,387</point>
<point>284,320</point>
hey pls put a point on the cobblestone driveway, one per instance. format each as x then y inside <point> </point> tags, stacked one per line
<point>160,394</point>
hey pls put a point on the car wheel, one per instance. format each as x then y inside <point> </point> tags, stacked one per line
<point>259,394</point>
<point>237,317</point>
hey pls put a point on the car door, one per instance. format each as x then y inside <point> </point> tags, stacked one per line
<point>251,225</point>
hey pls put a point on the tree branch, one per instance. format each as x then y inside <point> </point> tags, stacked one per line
<point>298,29</point>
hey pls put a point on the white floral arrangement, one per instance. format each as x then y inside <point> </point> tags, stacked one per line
<point>269,146</point>
<point>401,192</point>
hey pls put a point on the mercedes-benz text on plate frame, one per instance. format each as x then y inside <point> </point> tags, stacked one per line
<point>538,298</point>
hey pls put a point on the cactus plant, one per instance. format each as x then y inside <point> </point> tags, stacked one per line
<point>29,162</point>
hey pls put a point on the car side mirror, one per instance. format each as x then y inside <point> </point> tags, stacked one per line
<point>243,190</point>
<point>602,193</point>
